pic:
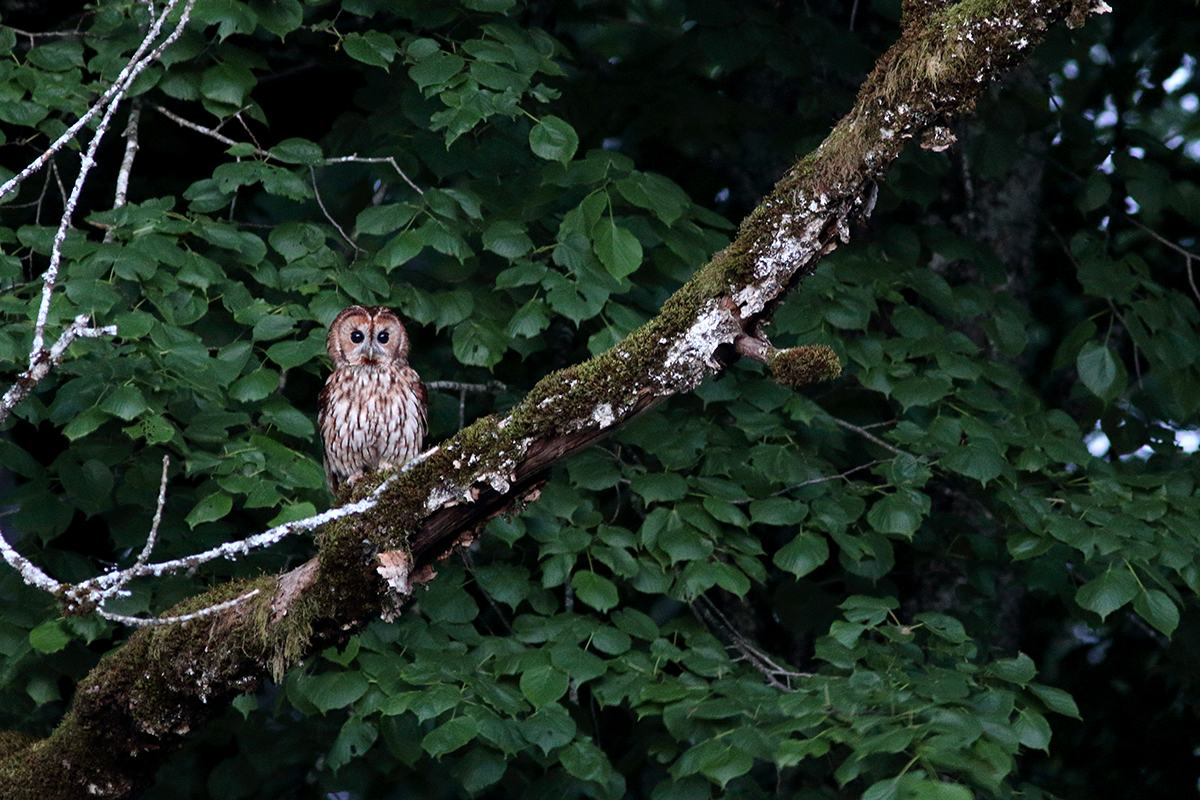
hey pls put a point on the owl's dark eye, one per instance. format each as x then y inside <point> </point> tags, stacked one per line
<point>357,337</point>
<point>383,337</point>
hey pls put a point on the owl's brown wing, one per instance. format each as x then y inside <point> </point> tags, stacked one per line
<point>323,413</point>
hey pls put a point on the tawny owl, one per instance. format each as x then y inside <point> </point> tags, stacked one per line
<point>372,409</point>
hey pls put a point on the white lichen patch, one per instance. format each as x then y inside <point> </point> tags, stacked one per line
<point>791,247</point>
<point>603,415</point>
<point>690,358</point>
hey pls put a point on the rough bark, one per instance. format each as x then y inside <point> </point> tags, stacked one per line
<point>140,701</point>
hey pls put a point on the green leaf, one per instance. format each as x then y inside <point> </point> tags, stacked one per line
<point>331,690</point>
<point>778,511</point>
<point>490,6</point>
<point>543,684</point>
<point>228,83</point>
<point>449,736</point>
<point>298,151</point>
<point>57,56</point>
<point>507,238</point>
<point>551,727</point>
<point>530,319</point>
<point>1096,192</point>
<point>553,139</point>
<point>804,553</point>
<point>618,250</point>
<point>899,513</point>
<point>87,421</point>
<point>478,343</point>
<point>718,760</point>
<point>1020,670</point>
<point>943,626</point>
<point>586,761</point>
<point>435,69</point>
<point>373,48</point>
<point>597,591</point>
<point>291,354</point>
<point>209,509</point>
<point>480,768</point>
<point>401,249</point>
<point>659,486</point>
<point>126,402</point>
<point>280,17</point>
<point>49,637</point>
<point>1098,370</point>
<point>1158,609</point>
<point>1108,591</point>
<point>353,741</point>
<point>1032,730</point>
<point>383,219</point>
<point>1055,699</point>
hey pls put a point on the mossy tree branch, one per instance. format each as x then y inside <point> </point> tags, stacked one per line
<point>139,703</point>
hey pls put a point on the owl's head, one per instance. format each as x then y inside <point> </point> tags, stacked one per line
<point>369,335</point>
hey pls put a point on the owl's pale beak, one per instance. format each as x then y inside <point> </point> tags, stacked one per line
<point>374,353</point>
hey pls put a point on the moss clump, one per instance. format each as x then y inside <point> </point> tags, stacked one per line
<point>800,366</point>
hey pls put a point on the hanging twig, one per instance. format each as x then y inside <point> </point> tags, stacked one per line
<point>1188,256</point>
<point>313,174</point>
<point>379,160</point>
<point>131,149</point>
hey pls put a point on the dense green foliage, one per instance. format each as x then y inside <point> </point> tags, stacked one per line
<point>888,585</point>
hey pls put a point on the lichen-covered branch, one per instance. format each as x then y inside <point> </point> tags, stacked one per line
<point>140,701</point>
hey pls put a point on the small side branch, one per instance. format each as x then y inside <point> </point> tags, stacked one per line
<point>42,361</point>
<point>866,434</point>
<point>491,387</point>
<point>708,613</point>
<point>213,133</point>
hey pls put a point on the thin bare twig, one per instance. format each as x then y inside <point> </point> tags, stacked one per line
<point>151,537</point>
<point>811,481</point>
<point>131,149</point>
<point>708,613</point>
<point>261,153</point>
<point>357,159</point>
<point>1188,256</point>
<point>492,387</point>
<point>37,352</point>
<point>29,572</point>
<point>313,174</point>
<point>182,619</point>
<point>210,132</point>
<point>81,592</point>
<point>868,435</point>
